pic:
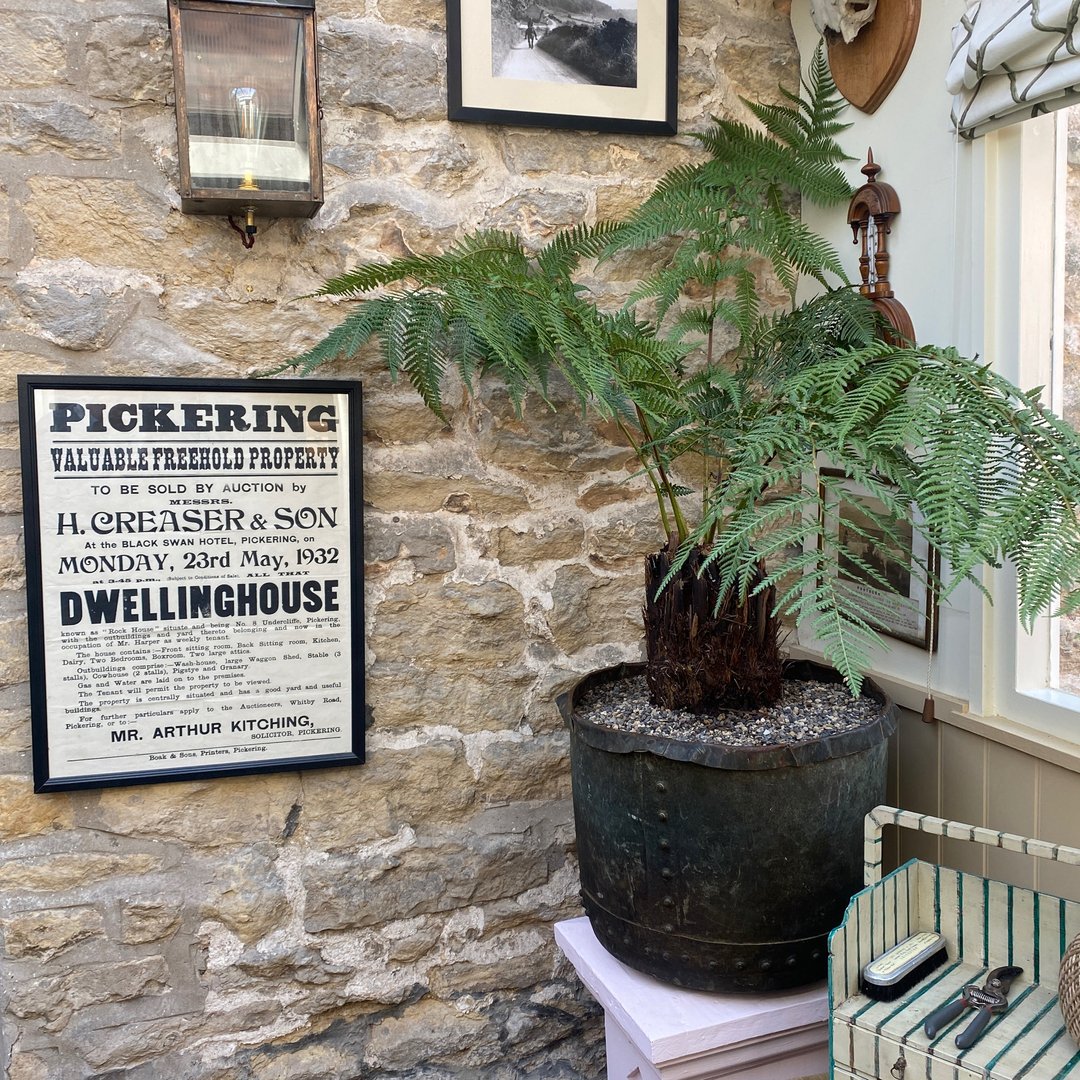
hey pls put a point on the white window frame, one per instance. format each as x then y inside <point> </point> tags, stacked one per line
<point>1024,213</point>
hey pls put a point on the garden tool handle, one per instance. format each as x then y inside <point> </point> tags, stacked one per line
<point>978,1025</point>
<point>946,1014</point>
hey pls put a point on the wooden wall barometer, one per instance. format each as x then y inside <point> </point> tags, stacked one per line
<point>870,215</point>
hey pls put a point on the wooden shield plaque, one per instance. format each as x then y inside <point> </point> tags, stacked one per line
<point>867,69</point>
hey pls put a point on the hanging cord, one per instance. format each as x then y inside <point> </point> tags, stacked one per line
<point>928,708</point>
<point>247,236</point>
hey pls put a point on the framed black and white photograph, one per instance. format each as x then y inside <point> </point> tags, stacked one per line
<point>597,65</point>
<point>194,577</point>
<point>882,565</point>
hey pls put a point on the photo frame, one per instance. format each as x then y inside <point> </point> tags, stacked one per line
<point>515,62</point>
<point>194,577</point>
<point>908,614</point>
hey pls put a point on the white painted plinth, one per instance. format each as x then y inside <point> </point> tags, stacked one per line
<point>659,1032</point>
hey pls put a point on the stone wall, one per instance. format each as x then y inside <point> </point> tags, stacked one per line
<point>391,920</point>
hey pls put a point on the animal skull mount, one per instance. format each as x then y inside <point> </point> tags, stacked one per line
<point>843,17</point>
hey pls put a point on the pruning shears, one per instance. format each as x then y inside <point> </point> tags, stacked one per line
<point>990,1000</point>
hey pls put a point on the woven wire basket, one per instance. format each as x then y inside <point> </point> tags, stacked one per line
<point>1069,989</point>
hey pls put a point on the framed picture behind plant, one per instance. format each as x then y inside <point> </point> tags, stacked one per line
<point>869,553</point>
<point>594,65</point>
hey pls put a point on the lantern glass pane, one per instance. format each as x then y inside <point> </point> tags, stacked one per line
<point>246,85</point>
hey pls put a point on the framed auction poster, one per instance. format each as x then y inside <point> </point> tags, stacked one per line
<point>194,591</point>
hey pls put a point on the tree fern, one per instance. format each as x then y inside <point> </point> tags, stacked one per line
<point>931,440</point>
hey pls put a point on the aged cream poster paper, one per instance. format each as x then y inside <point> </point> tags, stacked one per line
<point>195,577</point>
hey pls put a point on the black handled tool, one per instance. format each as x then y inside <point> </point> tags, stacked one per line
<point>990,999</point>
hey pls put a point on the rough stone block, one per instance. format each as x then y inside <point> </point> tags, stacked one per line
<point>521,960</point>
<point>64,870</point>
<point>554,540</point>
<point>127,1042</point>
<point>15,731</point>
<point>482,622</point>
<point>98,984</point>
<point>474,495</point>
<point>419,13</point>
<point>252,1008</point>
<point>752,21</point>
<point>72,129</point>
<point>498,853</point>
<point>245,893</point>
<point>418,940</point>
<point>265,968</point>
<point>5,225</point>
<point>247,331</point>
<point>128,58</point>
<point>588,609</point>
<point>48,931</point>
<point>538,214</point>
<point>758,67</point>
<point>429,544</point>
<point>617,201</point>
<point>625,539</point>
<point>78,321</point>
<point>33,50</point>
<point>24,813</point>
<point>144,923</point>
<point>24,1066</point>
<point>203,814</point>
<point>565,1007</point>
<point>426,1032</point>
<point>606,493</point>
<point>102,221</point>
<point>12,567</point>
<point>433,160</point>
<point>543,441</point>
<point>581,154</point>
<point>543,716</point>
<point>14,663</point>
<point>425,781</point>
<point>407,691</point>
<point>308,1062</point>
<point>363,62</point>
<point>55,999</point>
<point>538,767</point>
<point>401,417</point>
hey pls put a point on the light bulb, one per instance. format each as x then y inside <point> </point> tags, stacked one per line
<point>249,125</point>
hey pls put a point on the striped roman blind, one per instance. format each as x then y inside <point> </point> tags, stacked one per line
<point>1013,59</point>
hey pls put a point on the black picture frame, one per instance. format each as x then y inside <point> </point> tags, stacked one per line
<point>194,575</point>
<point>910,614</point>
<point>477,94</point>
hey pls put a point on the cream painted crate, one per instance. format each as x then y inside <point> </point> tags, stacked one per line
<point>985,924</point>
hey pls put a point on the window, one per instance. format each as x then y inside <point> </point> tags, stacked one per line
<point>1065,384</point>
<point>1031,318</point>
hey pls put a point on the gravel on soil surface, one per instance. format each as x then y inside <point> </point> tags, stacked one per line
<point>806,710</point>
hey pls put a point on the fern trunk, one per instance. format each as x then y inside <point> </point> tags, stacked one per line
<point>706,651</point>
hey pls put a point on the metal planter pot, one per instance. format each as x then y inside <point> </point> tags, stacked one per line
<point>722,868</point>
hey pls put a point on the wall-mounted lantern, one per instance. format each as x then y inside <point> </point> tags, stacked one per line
<point>247,108</point>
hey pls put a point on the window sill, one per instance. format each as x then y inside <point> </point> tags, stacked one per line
<point>999,729</point>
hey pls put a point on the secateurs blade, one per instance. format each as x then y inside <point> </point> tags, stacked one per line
<point>990,1000</point>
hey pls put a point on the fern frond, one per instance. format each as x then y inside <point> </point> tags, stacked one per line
<point>564,252</point>
<point>344,341</point>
